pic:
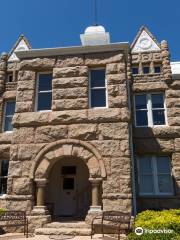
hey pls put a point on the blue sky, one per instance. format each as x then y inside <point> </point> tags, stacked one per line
<point>56,23</point>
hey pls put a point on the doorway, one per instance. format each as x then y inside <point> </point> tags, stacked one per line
<point>68,190</point>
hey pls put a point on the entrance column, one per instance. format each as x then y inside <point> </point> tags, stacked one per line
<point>40,207</point>
<point>41,184</point>
<point>95,184</point>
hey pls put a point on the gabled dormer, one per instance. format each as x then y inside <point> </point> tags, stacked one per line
<point>144,42</point>
<point>22,44</point>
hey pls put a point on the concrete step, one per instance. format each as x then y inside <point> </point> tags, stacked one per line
<point>63,230</point>
<point>67,224</point>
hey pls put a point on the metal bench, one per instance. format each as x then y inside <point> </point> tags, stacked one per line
<point>115,220</point>
<point>14,219</point>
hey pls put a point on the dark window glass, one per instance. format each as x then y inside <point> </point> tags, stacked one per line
<point>9,78</point>
<point>3,176</point>
<point>158,109</point>
<point>44,101</point>
<point>164,175</point>
<point>158,117</point>
<point>44,92</point>
<point>135,70</point>
<point>10,107</point>
<point>146,184</point>
<point>45,82</point>
<point>163,165</point>
<point>9,112</point>
<point>98,97</point>
<point>68,183</point>
<point>146,70</point>
<point>97,78</point>
<point>155,175</point>
<point>157,100</point>
<point>141,102</point>
<point>157,69</point>
<point>145,166</point>
<point>141,118</point>
<point>68,170</point>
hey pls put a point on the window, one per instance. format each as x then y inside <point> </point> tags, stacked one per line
<point>146,70</point>
<point>44,89</point>
<point>157,69</point>
<point>150,110</point>
<point>68,183</point>
<point>155,175</point>
<point>135,70</point>
<point>4,164</point>
<point>8,114</point>
<point>10,77</point>
<point>97,94</point>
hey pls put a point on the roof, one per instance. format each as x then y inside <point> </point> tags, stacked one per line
<point>47,52</point>
<point>175,67</point>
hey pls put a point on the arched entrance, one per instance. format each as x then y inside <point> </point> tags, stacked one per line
<point>67,167</point>
<point>68,188</point>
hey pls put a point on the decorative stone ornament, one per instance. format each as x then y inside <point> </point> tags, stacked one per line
<point>21,45</point>
<point>145,43</point>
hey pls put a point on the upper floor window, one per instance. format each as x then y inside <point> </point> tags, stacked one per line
<point>8,115</point>
<point>97,95</point>
<point>4,164</point>
<point>135,70</point>
<point>146,70</point>
<point>10,77</point>
<point>44,91</point>
<point>155,175</point>
<point>157,69</point>
<point>150,110</point>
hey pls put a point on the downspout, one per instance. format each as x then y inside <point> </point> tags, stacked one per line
<point>131,144</point>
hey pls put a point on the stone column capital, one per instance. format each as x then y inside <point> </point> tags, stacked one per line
<point>95,181</point>
<point>41,182</point>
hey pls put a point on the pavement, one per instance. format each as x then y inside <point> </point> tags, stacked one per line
<point>45,237</point>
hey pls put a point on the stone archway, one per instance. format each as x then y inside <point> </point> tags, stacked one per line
<point>53,152</point>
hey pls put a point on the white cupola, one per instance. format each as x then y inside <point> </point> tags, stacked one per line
<point>95,35</point>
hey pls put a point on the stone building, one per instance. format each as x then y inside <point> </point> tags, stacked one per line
<point>89,128</point>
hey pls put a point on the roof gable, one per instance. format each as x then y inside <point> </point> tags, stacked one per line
<point>145,42</point>
<point>22,44</point>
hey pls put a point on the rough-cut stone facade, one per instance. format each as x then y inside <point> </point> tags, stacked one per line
<point>101,137</point>
<point>159,140</point>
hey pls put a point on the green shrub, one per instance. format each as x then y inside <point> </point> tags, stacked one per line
<point>2,210</point>
<point>166,219</point>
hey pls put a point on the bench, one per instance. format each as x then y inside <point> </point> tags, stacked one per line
<point>114,220</point>
<point>14,219</point>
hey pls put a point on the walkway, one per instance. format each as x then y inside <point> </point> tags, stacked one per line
<point>43,237</point>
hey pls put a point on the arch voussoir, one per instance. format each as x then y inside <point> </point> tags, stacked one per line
<point>68,147</point>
